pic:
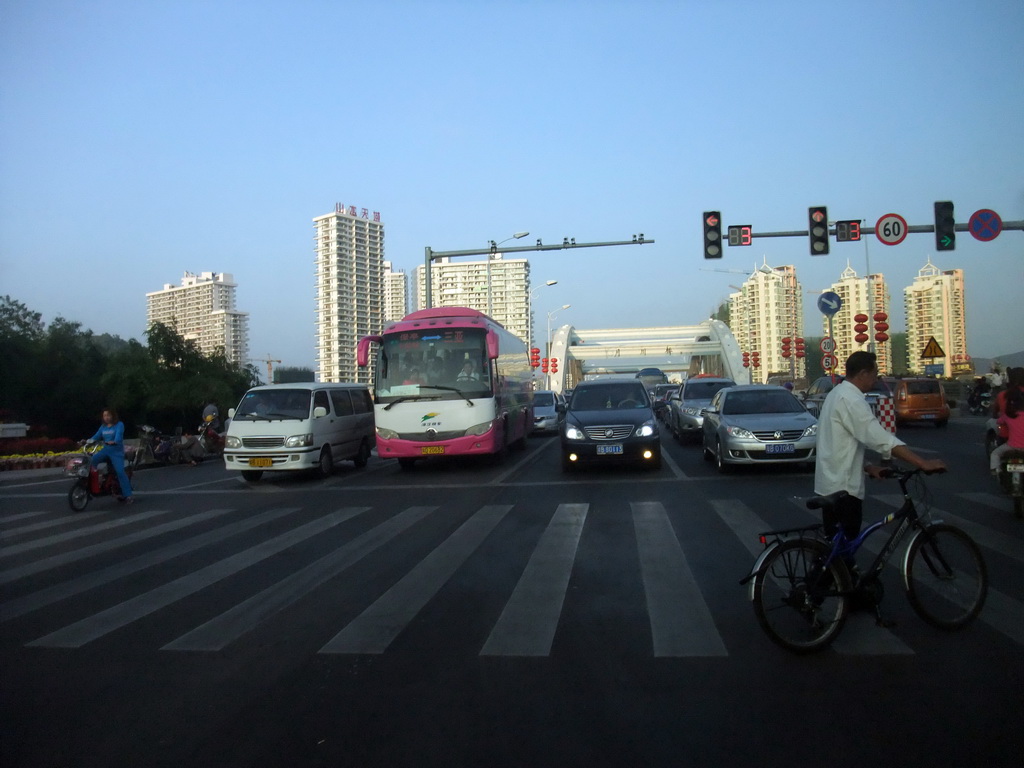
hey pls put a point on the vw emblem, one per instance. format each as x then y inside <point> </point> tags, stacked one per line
<point>609,432</point>
<point>778,435</point>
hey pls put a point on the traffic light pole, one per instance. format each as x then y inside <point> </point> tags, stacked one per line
<point>567,243</point>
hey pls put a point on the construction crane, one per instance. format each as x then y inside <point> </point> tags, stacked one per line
<point>270,368</point>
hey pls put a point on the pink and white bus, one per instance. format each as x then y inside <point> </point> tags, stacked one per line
<point>448,381</point>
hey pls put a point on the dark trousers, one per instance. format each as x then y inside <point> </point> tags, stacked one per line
<point>848,511</point>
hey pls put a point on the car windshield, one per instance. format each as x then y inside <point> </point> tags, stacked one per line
<point>764,401</point>
<point>543,400</point>
<point>703,390</point>
<point>601,398</point>
<point>274,404</point>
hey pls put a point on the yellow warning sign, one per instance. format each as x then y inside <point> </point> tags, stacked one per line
<point>932,349</point>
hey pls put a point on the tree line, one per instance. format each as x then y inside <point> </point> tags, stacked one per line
<point>58,378</point>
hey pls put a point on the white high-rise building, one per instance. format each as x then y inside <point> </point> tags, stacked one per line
<point>202,309</point>
<point>497,287</point>
<point>396,293</point>
<point>861,296</point>
<point>349,258</point>
<point>935,310</point>
<point>769,308</point>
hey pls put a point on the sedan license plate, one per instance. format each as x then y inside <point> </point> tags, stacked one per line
<point>927,415</point>
<point>1015,467</point>
<point>264,462</point>
<point>780,448</point>
<point>607,450</point>
<point>431,450</point>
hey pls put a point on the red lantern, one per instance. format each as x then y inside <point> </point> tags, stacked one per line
<point>786,353</point>
<point>786,340</point>
<point>881,337</point>
<point>799,351</point>
<point>860,328</point>
<point>881,326</point>
<point>860,317</point>
<point>860,338</point>
<point>880,317</point>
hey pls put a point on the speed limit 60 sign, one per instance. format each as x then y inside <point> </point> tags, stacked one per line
<point>891,229</point>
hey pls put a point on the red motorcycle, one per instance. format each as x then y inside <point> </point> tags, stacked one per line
<point>91,481</point>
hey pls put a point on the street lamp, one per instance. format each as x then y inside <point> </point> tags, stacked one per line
<point>529,310</point>
<point>494,250</point>
<point>551,314</point>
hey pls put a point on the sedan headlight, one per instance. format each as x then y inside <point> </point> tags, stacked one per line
<point>693,411</point>
<point>386,434</point>
<point>646,429</point>
<point>232,442</point>
<point>574,433</point>
<point>811,431</point>
<point>299,441</point>
<point>739,432</point>
<point>479,429</point>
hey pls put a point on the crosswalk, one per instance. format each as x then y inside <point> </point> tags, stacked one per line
<point>69,581</point>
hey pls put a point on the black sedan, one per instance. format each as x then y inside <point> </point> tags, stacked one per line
<point>610,421</point>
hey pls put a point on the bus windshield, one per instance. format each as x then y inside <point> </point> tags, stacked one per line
<point>441,364</point>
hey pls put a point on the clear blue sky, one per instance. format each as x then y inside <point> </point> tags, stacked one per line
<point>141,139</point>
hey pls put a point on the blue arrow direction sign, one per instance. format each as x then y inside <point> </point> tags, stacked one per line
<point>829,303</point>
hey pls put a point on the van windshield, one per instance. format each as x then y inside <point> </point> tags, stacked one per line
<point>274,404</point>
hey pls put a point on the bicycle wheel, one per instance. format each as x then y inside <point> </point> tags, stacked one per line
<point>945,577</point>
<point>798,604</point>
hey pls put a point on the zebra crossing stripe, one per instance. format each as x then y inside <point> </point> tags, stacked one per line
<point>95,626</point>
<point>78,533</point>
<point>528,622</point>
<point>66,558</point>
<point>1002,503</point>
<point>681,622</point>
<point>374,629</point>
<point>228,627</point>
<point>12,533</point>
<point>64,590</point>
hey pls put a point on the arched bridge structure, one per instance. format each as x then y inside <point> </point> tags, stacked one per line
<point>680,352</point>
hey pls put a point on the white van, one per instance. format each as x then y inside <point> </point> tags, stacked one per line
<point>303,425</point>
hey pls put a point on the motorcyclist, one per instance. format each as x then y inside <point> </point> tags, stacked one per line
<point>111,434</point>
<point>981,386</point>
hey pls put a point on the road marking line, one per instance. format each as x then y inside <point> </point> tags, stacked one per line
<point>246,616</point>
<point>96,626</point>
<point>529,620</point>
<point>681,622</point>
<point>78,533</point>
<point>374,629</point>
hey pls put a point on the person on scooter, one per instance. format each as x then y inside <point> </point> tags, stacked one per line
<point>1013,419</point>
<point>111,434</point>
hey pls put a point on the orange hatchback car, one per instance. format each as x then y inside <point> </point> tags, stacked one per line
<point>922,400</point>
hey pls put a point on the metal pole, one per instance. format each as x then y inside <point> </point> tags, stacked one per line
<point>428,258</point>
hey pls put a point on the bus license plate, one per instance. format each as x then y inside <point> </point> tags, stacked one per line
<point>261,462</point>
<point>780,448</point>
<point>431,450</point>
<point>606,450</point>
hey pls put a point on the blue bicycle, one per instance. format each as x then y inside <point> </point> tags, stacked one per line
<point>802,588</point>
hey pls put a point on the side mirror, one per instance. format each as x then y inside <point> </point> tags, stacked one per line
<point>560,407</point>
<point>319,412</point>
<point>709,409</point>
<point>231,413</point>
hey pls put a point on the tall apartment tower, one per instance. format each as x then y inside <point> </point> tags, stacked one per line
<point>768,308</point>
<point>202,309</point>
<point>935,309</point>
<point>396,293</point>
<point>349,248</point>
<point>860,295</point>
<point>497,287</point>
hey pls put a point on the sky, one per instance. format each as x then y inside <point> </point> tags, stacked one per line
<point>140,139</point>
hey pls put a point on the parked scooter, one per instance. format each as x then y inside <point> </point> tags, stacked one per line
<point>91,481</point>
<point>1011,478</point>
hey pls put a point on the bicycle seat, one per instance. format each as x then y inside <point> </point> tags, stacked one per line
<point>826,502</point>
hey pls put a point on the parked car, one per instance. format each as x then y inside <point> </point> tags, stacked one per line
<point>758,424</point>
<point>546,417</point>
<point>921,400</point>
<point>610,421</point>
<point>685,416</point>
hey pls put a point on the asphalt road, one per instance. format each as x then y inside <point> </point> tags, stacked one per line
<point>484,615</point>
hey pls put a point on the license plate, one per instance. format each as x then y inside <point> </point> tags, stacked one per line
<point>605,450</point>
<point>780,448</point>
<point>927,415</point>
<point>1015,467</point>
<point>431,450</point>
<point>261,462</point>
